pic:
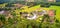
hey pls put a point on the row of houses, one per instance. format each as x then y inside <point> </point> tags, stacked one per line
<point>37,14</point>
<point>39,0</point>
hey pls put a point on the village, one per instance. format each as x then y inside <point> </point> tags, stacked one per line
<point>30,14</point>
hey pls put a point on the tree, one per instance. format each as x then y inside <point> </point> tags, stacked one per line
<point>2,18</point>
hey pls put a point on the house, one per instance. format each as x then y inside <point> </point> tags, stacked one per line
<point>51,14</point>
<point>51,0</point>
